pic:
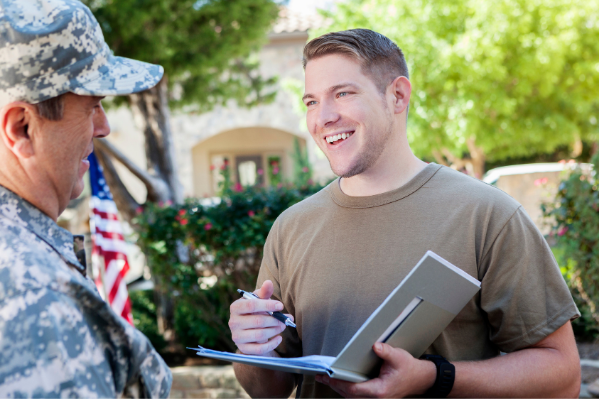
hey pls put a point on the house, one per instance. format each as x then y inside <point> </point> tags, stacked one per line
<point>257,143</point>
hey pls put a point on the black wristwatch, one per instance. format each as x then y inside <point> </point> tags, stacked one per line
<point>445,377</point>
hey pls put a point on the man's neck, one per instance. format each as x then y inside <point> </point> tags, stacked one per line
<point>39,197</point>
<point>394,168</point>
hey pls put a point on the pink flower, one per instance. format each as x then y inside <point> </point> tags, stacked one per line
<point>182,212</point>
<point>139,210</point>
<point>541,181</point>
<point>184,222</point>
<point>275,171</point>
<point>223,166</point>
<point>563,161</point>
<point>168,203</point>
<point>562,231</point>
<point>305,169</point>
<point>260,172</point>
<point>251,214</point>
<point>238,187</point>
<point>207,226</point>
<point>310,181</point>
<point>212,167</point>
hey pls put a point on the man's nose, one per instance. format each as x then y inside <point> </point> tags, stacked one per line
<point>327,114</point>
<point>101,126</point>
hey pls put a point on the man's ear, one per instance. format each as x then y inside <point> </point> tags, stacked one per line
<point>401,90</point>
<point>15,120</point>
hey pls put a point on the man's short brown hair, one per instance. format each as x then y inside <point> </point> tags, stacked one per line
<point>380,58</point>
<point>52,108</point>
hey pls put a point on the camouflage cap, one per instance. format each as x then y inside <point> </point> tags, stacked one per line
<point>50,47</point>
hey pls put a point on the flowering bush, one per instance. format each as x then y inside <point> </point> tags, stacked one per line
<point>576,233</point>
<point>203,253</point>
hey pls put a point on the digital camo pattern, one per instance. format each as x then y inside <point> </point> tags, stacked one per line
<point>50,47</point>
<point>57,336</point>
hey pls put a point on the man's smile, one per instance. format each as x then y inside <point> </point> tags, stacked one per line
<point>337,138</point>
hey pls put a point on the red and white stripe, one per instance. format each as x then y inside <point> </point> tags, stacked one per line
<point>109,244</point>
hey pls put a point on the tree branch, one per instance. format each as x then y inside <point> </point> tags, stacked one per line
<point>124,201</point>
<point>157,189</point>
<point>439,158</point>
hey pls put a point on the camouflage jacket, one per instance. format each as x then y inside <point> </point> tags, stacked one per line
<point>57,336</point>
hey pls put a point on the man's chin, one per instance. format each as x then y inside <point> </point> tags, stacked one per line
<point>348,171</point>
<point>77,190</point>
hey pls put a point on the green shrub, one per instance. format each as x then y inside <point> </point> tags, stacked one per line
<point>203,253</point>
<point>144,317</point>
<point>575,213</point>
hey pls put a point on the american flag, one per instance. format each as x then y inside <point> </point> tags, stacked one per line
<point>109,259</point>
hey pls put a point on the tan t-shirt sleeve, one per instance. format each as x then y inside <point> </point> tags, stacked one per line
<point>523,292</point>
<point>269,270</point>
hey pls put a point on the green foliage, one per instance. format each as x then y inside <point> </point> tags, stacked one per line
<point>144,317</point>
<point>576,230</point>
<point>224,185</point>
<point>518,76</point>
<point>225,244</point>
<point>203,45</point>
<point>273,168</point>
<point>302,170</point>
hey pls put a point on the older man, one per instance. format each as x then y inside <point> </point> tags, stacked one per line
<point>57,336</point>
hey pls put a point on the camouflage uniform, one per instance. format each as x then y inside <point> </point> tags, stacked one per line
<point>57,336</point>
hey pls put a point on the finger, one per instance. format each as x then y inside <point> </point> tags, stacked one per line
<point>290,316</point>
<point>260,349</point>
<point>247,322</point>
<point>394,356</point>
<point>325,379</point>
<point>256,335</point>
<point>369,389</point>
<point>266,291</point>
<point>248,306</point>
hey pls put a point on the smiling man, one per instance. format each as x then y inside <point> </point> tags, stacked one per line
<point>331,260</point>
<point>58,338</point>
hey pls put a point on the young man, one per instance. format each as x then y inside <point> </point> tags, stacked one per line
<point>333,258</point>
<point>58,338</point>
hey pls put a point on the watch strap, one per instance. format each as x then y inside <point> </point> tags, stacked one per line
<point>445,377</point>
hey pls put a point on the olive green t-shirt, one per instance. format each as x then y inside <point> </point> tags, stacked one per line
<point>333,259</point>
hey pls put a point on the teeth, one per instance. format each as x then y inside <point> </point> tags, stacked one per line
<point>331,139</point>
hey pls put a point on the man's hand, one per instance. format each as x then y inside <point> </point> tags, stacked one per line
<point>401,375</point>
<point>254,331</point>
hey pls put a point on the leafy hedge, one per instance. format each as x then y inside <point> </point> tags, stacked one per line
<point>576,233</point>
<point>203,252</point>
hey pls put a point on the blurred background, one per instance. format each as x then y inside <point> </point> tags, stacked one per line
<point>506,91</point>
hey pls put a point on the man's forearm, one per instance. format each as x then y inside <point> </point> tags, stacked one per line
<point>264,383</point>
<point>532,372</point>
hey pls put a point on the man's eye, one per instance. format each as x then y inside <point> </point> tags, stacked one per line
<point>342,94</point>
<point>310,103</point>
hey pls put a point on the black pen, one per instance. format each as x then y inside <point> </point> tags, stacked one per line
<point>277,315</point>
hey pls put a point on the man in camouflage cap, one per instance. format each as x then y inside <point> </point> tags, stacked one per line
<point>57,336</point>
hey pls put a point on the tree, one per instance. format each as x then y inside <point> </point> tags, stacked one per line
<point>205,47</point>
<point>491,79</point>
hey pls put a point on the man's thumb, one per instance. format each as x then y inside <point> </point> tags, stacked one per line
<point>266,291</point>
<point>385,352</point>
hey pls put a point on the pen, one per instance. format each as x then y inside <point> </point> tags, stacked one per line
<point>277,315</point>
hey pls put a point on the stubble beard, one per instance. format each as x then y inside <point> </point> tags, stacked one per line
<point>373,148</point>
